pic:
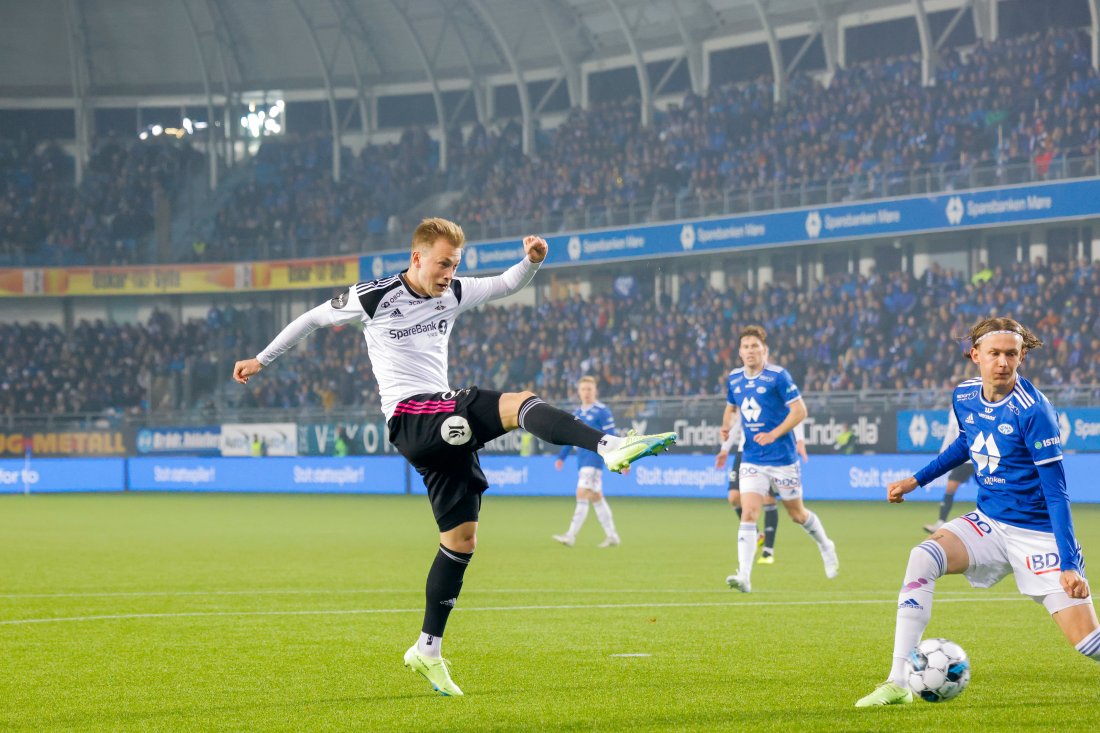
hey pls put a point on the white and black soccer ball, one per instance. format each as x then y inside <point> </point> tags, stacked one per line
<point>938,670</point>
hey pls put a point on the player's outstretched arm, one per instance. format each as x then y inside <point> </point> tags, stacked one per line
<point>896,491</point>
<point>246,368</point>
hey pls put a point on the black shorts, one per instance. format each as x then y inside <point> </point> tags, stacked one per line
<point>962,473</point>
<point>440,434</point>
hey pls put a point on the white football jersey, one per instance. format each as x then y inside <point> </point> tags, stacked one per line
<point>406,333</point>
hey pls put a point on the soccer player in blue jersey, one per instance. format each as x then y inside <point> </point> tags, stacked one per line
<point>769,405</point>
<point>1022,526</point>
<point>596,415</point>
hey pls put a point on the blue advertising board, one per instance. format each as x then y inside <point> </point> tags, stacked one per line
<point>49,475</point>
<point>922,431</point>
<point>886,217</point>
<point>352,475</point>
<point>197,441</point>
<point>824,477</point>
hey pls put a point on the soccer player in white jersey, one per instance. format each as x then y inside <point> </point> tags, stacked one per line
<point>1023,525</point>
<point>769,405</point>
<point>407,319</point>
<point>958,476</point>
<point>766,540</point>
<point>596,415</point>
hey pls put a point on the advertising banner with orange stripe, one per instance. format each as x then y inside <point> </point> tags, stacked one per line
<point>176,279</point>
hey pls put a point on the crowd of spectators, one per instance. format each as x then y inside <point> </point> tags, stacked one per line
<point>885,331</point>
<point>46,220</point>
<point>290,206</point>
<point>1001,112</point>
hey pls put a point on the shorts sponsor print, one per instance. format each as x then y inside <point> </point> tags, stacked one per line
<point>997,550</point>
<point>783,481</point>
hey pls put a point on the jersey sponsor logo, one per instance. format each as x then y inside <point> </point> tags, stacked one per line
<point>750,408</point>
<point>1047,442</point>
<point>988,410</point>
<point>1015,410</point>
<point>987,417</point>
<point>1005,429</point>
<point>969,420</point>
<point>966,396</point>
<point>1041,563</point>
<point>737,390</point>
<point>396,313</point>
<point>986,453</point>
<point>440,307</point>
<point>456,430</point>
<point>340,300</point>
<point>433,327</point>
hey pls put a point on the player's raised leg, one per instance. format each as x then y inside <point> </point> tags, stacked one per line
<point>526,410</point>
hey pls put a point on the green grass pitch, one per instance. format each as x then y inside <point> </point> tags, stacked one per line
<point>231,612</point>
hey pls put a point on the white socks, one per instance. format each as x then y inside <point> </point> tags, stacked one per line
<point>1090,646</point>
<point>927,562</point>
<point>579,515</point>
<point>430,646</point>
<point>608,443</point>
<point>746,548</point>
<point>815,529</point>
<point>603,513</point>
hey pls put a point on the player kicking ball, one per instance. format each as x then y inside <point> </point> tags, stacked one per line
<point>598,416</point>
<point>407,321</point>
<point>1009,430</point>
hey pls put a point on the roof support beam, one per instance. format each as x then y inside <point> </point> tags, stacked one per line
<point>802,51</point>
<point>517,72</point>
<point>927,52</point>
<point>479,90</point>
<point>80,71</point>
<point>1094,23</point>
<point>352,29</point>
<point>571,71</point>
<point>326,76</point>
<point>639,63</point>
<point>693,51</point>
<point>437,96</point>
<point>963,9</point>
<point>830,38</point>
<point>227,53</point>
<point>211,156</point>
<point>985,19</point>
<point>779,70</point>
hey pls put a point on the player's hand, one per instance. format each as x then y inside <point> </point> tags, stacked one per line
<point>246,368</point>
<point>896,490</point>
<point>766,438</point>
<point>800,448</point>
<point>536,248</point>
<point>558,464</point>
<point>1074,585</point>
<point>724,434</point>
<point>720,459</point>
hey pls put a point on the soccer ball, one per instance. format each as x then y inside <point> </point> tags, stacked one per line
<point>938,670</point>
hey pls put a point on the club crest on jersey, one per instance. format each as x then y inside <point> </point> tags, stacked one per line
<point>456,430</point>
<point>761,390</point>
<point>986,453</point>
<point>1005,429</point>
<point>750,408</point>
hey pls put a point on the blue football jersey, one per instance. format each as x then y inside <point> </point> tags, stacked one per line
<point>1007,441</point>
<point>763,402</point>
<point>597,416</point>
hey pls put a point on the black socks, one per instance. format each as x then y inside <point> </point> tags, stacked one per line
<point>556,426</point>
<point>444,584</point>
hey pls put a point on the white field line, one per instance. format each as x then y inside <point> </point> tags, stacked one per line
<point>563,607</point>
<point>418,591</point>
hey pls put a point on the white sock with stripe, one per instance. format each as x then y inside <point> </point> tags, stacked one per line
<point>603,513</point>
<point>927,562</point>
<point>746,548</point>
<point>579,515</point>
<point>1090,645</point>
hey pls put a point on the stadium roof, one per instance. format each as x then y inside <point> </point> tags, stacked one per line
<point>139,49</point>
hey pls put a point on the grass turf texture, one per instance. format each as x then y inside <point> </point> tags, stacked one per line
<point>292,613</point>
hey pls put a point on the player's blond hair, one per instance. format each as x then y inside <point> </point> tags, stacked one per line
<point>1004,324</point>
<point>433,229</point>
<point>755,332</point>
<point>587,378</point>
